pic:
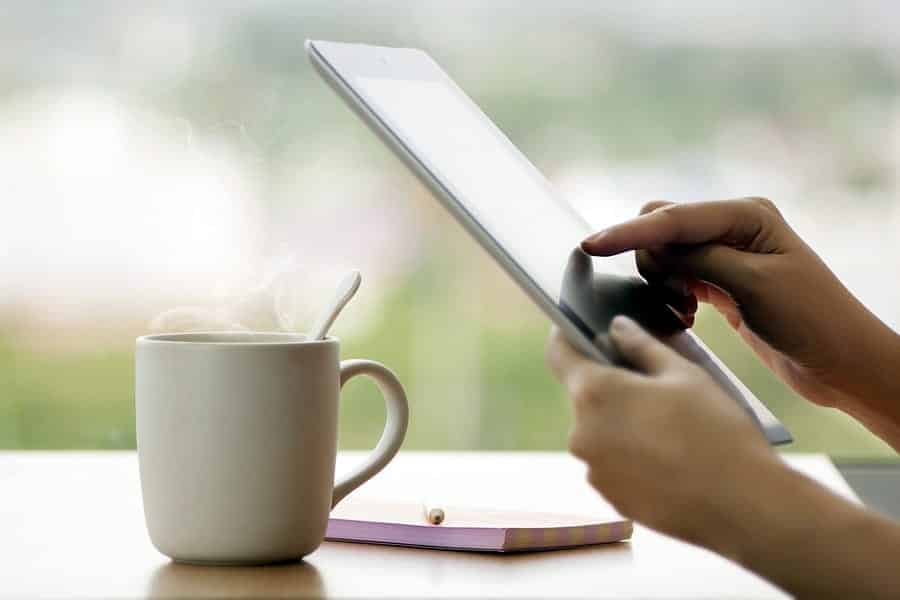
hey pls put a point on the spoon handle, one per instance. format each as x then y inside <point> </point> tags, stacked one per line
<point>345,292</point>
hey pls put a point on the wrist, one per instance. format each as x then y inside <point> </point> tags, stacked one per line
<point>878,363</point>
<point>871,390</point>
<point>742,502</point>
<point>786,522</point>
<point>734,500</point>
<point>772,513</point>
<point>845,349</point>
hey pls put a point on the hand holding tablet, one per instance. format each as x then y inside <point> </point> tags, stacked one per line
<point>668,442</point>
<point>507,206</point>
<point>743,258</point>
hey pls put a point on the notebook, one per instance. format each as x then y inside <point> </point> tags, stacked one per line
<point>401,524</point>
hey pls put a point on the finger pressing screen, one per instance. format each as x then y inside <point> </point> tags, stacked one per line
<point>733,222</point>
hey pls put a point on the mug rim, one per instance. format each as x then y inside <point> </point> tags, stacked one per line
<point>234,339</point>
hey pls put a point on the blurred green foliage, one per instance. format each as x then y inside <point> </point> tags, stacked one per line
<point>85,399</point>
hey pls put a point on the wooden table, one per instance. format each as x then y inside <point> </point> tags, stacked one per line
<point>71,525</point>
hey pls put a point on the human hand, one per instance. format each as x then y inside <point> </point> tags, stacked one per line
<point>670,450</point>
<point>665,445</point>
<point>744,259</point>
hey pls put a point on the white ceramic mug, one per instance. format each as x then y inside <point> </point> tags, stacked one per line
<point>237,441</point>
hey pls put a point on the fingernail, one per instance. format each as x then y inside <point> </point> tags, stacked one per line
<point>622,326</point>
<point>595,238</point>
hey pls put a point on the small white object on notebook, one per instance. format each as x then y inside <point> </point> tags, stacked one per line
<point>401,524</point>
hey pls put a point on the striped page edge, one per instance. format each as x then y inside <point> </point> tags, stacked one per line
<point>519,539</point>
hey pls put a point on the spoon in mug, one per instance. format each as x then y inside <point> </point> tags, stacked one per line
<point>345,292</point>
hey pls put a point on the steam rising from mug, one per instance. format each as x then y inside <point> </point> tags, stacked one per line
<point>280,300</point>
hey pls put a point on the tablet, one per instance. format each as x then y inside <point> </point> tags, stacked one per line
<point>507,206</point>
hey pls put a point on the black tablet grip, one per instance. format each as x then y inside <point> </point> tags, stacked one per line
<point>591,300</point>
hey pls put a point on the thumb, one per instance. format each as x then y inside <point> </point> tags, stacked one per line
<point>641,349</point>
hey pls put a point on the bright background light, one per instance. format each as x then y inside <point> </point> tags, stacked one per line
<point>168,156</point>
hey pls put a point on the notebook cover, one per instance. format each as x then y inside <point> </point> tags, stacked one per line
<point>402,524</point>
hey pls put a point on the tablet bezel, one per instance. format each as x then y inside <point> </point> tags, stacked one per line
<point>358,60</point>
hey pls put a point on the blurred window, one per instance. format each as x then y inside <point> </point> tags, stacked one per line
<point>172,166</point>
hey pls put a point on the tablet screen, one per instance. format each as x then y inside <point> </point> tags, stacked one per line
<point>483,171</point>
<point>461,154</point>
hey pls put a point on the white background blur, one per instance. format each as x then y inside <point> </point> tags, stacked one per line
<point>160,155</point>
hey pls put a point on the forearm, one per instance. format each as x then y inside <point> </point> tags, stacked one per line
<point>871,387</point>
<point>807,540</point>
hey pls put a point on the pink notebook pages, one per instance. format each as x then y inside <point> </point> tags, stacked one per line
<point>403,524</point>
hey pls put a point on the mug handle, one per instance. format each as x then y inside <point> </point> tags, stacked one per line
<point>394,427</point>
